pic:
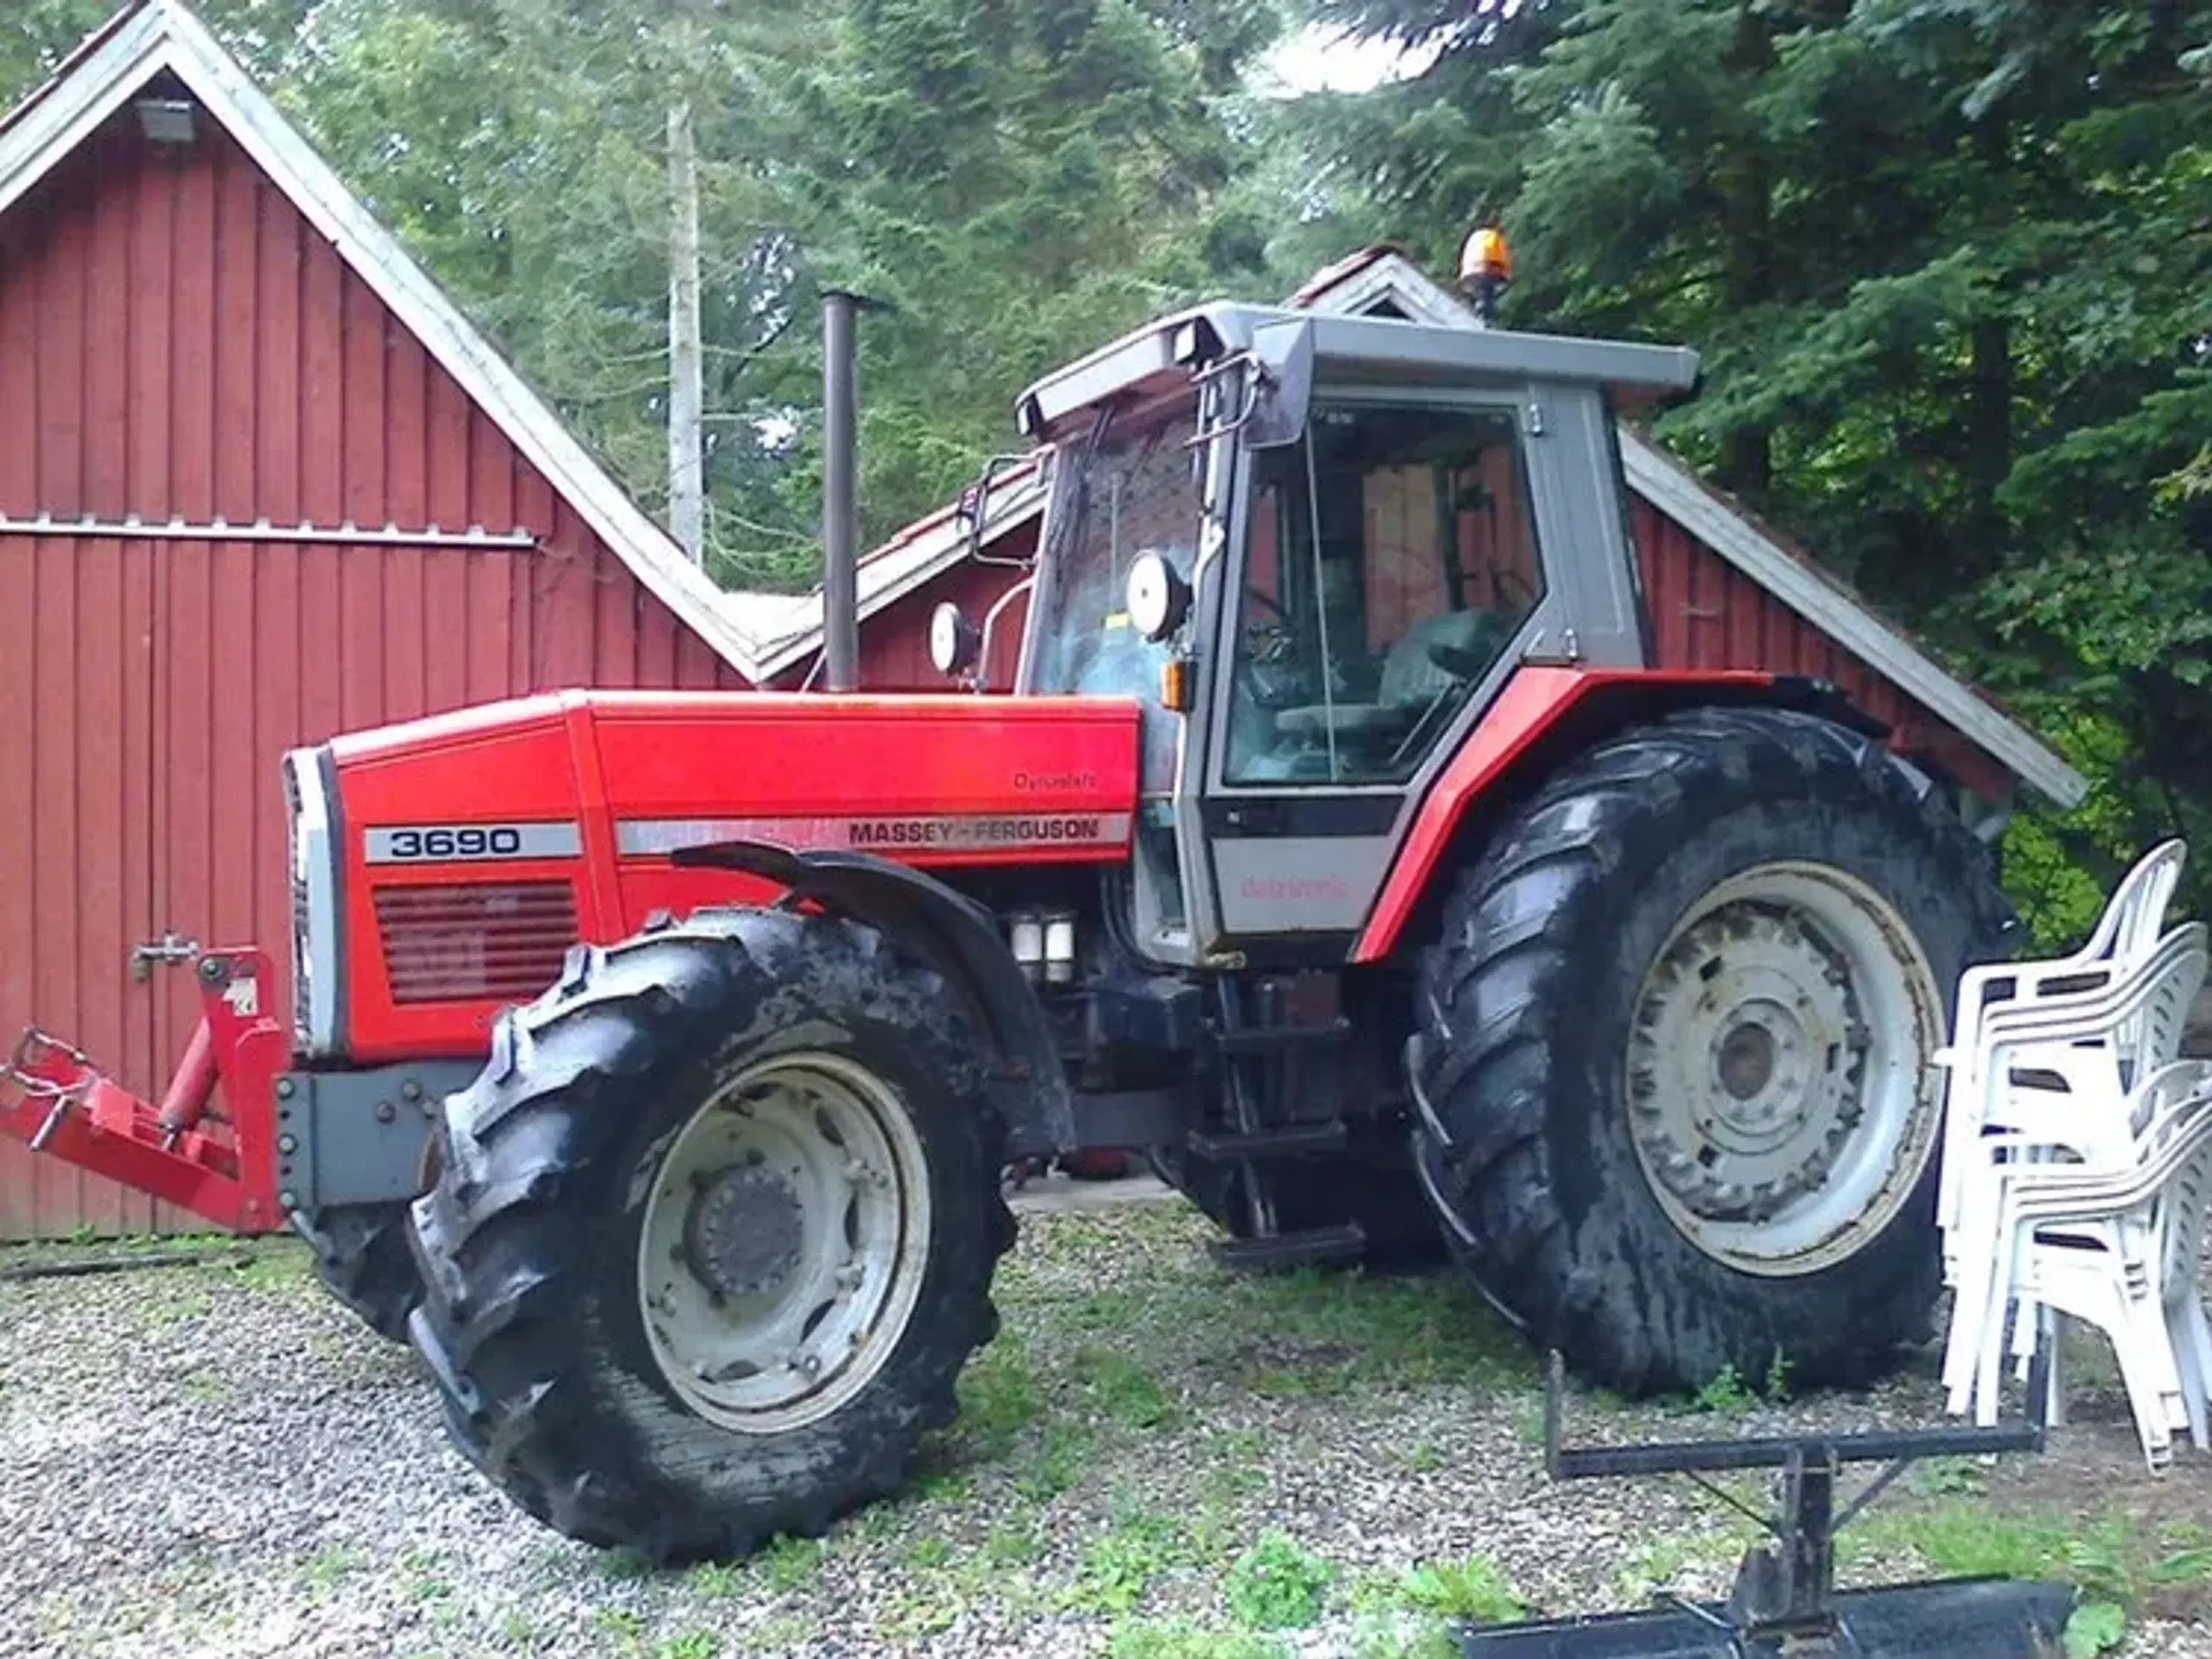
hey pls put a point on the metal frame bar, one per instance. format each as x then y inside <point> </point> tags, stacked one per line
<point>1788,1590</point>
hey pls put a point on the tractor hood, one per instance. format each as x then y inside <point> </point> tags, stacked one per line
<point>928,779</point>
<point>442,869</point>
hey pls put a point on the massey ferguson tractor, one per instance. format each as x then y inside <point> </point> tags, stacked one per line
<point>654,1058</point>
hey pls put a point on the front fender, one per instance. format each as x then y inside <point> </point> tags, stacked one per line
<point>957,937</point>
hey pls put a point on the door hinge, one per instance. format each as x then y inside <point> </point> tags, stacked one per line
<point>169,949</point>
<point>1535,419</point>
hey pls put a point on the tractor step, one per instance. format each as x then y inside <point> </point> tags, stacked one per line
<point>1343,1243</point>
<point>1274,1040</point>
<point>1292,1140</point>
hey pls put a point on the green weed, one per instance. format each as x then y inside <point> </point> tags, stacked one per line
<point>717,1578</point>
<point>1475,1589</point>
<point>1121,1564</point>
<point>1277,1585</point>
<point>1121,1388</point>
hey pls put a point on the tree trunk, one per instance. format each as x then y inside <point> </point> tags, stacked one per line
<point>1746,185</point>
<point>686,461</point>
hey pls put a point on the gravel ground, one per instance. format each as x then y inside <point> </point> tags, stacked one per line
<point>214,1461</point>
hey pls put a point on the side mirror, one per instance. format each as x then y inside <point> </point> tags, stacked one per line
<point>1156,596</point>
<point>1283,355</point>
<point>954,641</point>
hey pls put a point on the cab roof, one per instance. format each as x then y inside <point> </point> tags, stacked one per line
<point>1154,357</point>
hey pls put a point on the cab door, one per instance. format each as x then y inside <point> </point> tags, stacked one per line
<point>1388,570</point>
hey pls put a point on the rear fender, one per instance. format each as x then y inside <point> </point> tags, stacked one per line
<point>958,938</point>
<point>1544,716</point>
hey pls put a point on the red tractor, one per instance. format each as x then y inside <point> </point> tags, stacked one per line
<point>655,1057</point>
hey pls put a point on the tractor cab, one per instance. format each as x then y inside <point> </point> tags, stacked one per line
<point>1315,548</point>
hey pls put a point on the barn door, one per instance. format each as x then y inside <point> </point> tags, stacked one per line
<point>213,807</point>
<point>76,839</point>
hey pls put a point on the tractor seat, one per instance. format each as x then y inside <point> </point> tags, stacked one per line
<point>1411,680</point>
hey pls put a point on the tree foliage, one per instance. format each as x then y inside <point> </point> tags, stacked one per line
<point>1950,262</point>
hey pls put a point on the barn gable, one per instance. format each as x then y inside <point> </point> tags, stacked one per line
<point>158,48</point>
<point>257,487</point>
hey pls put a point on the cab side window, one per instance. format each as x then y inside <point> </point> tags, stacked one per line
<point>1391,559</point>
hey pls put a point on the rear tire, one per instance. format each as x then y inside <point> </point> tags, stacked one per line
<point>714,1235</point>
<point>1673,1051</point>
<point>363,1259</point>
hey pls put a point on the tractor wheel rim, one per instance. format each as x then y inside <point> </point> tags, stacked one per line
<point>1777,1096</point>
<point>785,1242</point>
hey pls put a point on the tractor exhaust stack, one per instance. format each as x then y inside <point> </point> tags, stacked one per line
<point>841,645</point>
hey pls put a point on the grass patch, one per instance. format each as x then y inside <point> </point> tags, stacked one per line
<point>999,1398</point>
<point>1277,1585</point>
<point>1180,1639</point>
<point>278,1268</point>
<point>1476,1589</point>
<point>1311,1333</point>
<point>2120,1567</point>
<point>692,1644</point>
<point>624,1566</point>
<point>325,1570</point>
<point>205,1386</point>
<point>1057,1464</point>
<point>930,1608</point>
<point>1013,1546</point>
<point>719,1579</point>
<point>1402,1635</point>
<point>623,1625</point>
<point>788,1563</point>
<point>1119,1566</point>
<point>1120,1389</point>
<point>423,1576</point>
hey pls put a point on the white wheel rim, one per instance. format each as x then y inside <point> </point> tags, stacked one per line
<point>785,1242</point>
<point>1777,1092</point>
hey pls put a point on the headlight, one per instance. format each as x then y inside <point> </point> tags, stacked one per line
<point>312,844</point>
<point>1157,598</point>
<point>953,639</point>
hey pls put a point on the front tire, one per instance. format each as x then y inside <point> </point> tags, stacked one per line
<point>363,1259</point>
<point>1673,1047</point>
<point>714,1235</point>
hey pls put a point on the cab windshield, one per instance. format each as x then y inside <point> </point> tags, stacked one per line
<point>1135,493</point>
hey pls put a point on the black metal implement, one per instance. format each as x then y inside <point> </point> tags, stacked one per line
<point>1785,1601</point>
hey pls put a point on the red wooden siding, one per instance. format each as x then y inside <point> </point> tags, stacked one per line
<point>1705,614</point>
<point>175,341</point>
<point>895,641</point>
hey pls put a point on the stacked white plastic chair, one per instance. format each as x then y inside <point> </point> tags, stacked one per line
<point>2077,1162</point>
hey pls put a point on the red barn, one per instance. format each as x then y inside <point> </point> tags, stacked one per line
<point>261,481</point>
